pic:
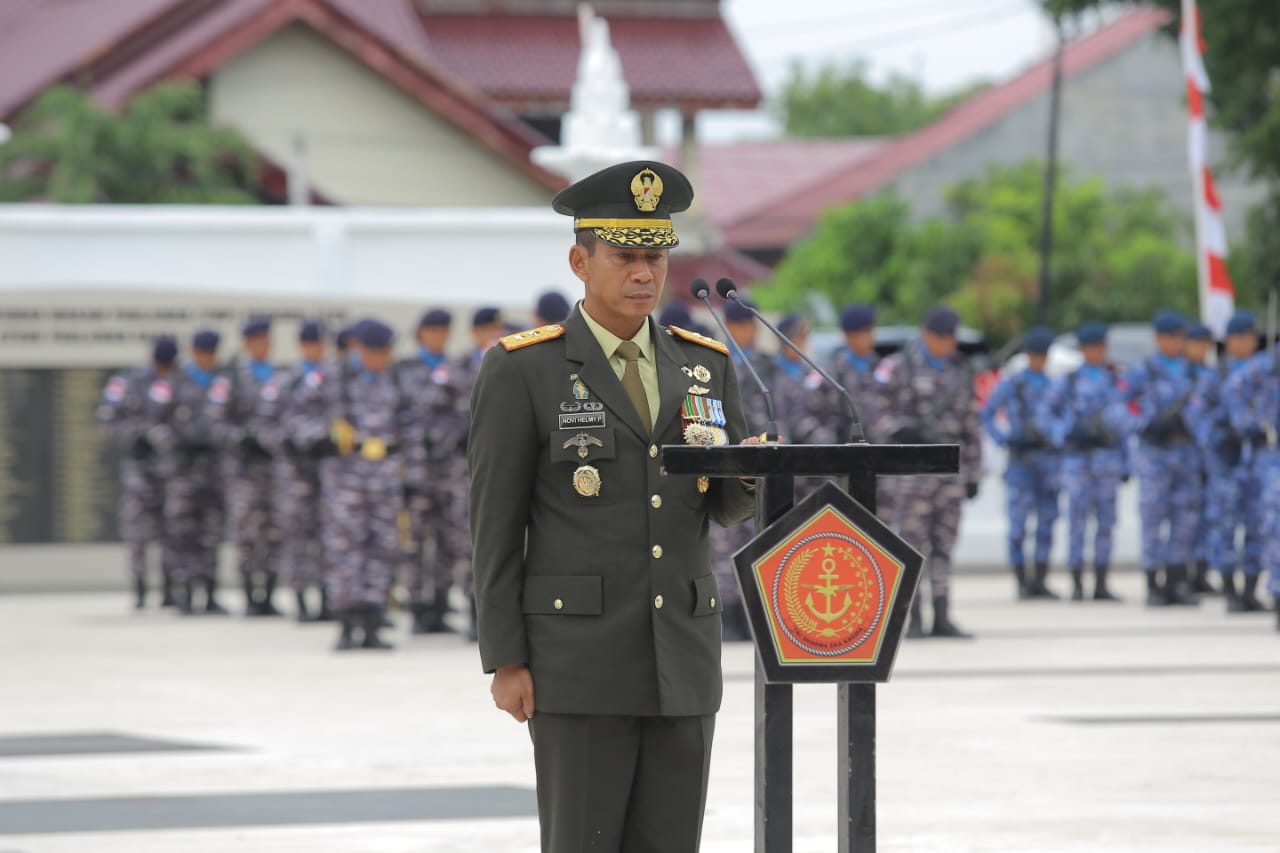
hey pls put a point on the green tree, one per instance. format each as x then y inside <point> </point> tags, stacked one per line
<point>840,100</point>
<point>160,149</point>
<point>1119,255</point>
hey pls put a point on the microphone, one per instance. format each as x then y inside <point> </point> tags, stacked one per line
<point>725,287</point>
<point>702,291</point>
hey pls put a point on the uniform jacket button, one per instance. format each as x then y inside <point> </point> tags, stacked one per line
<point>656,501</point>
<point>657,602</point>
<point>712,602</point>
<point>657,552</point>
<point>653,451</point>
<point>558,604</point>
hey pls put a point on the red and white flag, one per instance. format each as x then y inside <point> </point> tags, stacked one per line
<point>1217,296</point>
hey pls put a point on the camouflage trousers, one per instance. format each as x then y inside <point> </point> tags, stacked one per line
<point>297,489</point>
<point>1031,485</point>
<point>1091,478</point>
<point>928,518</point>
<point>1235,499</point>
<point>362,501</point>
<point>1266,465</point>
<point>1169,494</point>
<point>439,542</point>
<point>141,515</point>
<point>195,517</point>
<point>254,528</point>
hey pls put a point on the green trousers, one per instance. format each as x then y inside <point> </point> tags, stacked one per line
<point>621,784</point>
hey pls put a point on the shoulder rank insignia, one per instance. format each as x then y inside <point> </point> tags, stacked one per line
<point>533,336</point>
<point>694,337</point>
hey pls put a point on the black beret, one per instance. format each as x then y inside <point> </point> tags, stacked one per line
<point>857,317</point>
<point>675,314</point>
<point>206,340</point>
<point>793,324</point>
<point>942,320</point>
<point>311,332</point>
<point>552,307</point>
<point>735,312</point>
<point>1037,340</point>
<point>1169,322</point>
<point>164,350</point>
<point>628,205</point>
<point>1242,321</point>
<point>375,335</point>
<point>435,318</point>
<point>1199,332</point>
<point>1091,333</point>
<point>486,316</point>
<point>256,326</point>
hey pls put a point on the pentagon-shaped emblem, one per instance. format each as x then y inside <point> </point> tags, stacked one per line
<point>827,588</point>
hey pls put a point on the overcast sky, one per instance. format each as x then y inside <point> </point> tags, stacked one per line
<point>943,43</point>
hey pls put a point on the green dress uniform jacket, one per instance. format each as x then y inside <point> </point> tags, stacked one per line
<point>609,598</point>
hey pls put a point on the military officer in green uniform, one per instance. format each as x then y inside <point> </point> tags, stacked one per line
<point>598,612</point>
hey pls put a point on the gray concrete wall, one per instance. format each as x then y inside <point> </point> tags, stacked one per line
<point>1125,119</point>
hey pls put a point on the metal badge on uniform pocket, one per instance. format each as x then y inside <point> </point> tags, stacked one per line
<point>586,481</point>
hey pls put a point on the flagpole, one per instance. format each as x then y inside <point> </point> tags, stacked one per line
<point>1196,164</point>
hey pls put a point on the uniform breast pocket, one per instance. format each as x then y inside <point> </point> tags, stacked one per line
<point>585,456</point>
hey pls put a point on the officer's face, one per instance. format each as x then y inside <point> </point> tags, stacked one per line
<point>623,286</point>
<point>258,347</point>
<point>862,342</point>
<point>433,338</point>
<point>939,346</point>
<point>1198,350</point>
<point>312,351</point>
<point>1242,346</point>
<point>375,360</point>
<point>1094,353</point>
<point>1171,346</point>
<point>205,359</point>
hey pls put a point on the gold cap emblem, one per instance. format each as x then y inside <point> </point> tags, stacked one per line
<point>646,186</point>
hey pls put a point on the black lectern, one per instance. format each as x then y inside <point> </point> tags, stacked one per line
<point>827,588</point>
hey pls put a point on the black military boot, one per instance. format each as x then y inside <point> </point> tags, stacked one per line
<point>1249,600</point>
<point>915,621</point>
<point>167,596</point>
<point>325,614</point>
<point>373,624</point>
<point>267,607</point>
<point>211,604</point>
<point>1278,614</point>
<point>139,593</point>
<point>346,639</point>
<point>1100,590</point>
<point>422,618</point>
<point>1176,589</point>
<point>473,630</point>
<point>1023,591</point>
<point>1155,595</point>
<point>1038,587</point>
<point>1200,583</point>
<point>1077,584</point>
<point>942,624</point>
<point>304,614</point>
<point>1230,594</point>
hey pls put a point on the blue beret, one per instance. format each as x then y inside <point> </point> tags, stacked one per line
<point>1038,340</point>
<point>736,313</point>
<point>375,335</point>
<point>1199,332</point>
<point>675,314</point>
<point>793,324</point>
<point>311,332</point>
<point>486,316</point>
<point>857,317</point>
<point>552,307</point>
<point>256,326</point>
<point>205,340</point>
<point>942,320</point>
<point>342,340</point>
<point>1240,322</point>
<point>435,318</point>
<point>164,350</point>
<point>1091,333</point>
<point>1169,322</point>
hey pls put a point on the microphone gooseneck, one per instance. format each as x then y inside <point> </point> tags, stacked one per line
<point>702,292</point>
<point>727,290</point>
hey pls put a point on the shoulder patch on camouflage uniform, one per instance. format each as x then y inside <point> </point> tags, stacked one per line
<point>694,337</point>
<point>533,336</point>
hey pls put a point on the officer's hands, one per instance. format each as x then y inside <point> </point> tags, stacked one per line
<point>970,490</point>
<point>513,691</point>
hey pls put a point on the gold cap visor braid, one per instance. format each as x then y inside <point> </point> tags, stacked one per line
<point>627,233</point>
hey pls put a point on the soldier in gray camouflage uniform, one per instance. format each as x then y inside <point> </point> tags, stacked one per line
<point>725,541</point>
<point>194,511</point>
<point>296,476</point>
<point>929,399</point>
<point>381,447</point>
<point>233,397</point>
<point>133,403</point>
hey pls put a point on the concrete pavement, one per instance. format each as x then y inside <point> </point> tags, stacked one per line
<point>1061,728</point>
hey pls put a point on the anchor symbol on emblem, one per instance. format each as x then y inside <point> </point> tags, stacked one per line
<point>828,591</point>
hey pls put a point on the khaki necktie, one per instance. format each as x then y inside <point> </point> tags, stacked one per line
<point>630,351</point>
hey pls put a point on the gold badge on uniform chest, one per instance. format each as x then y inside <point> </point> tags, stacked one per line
<point>586,481</point>
<point>701,373</point>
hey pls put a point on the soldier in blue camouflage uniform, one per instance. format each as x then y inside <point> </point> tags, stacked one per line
<point>233,398</point>
<point>1090,421</point>
<point>1199,343</point>
<point>381,446</point>
<point>1234,498</point>
<point>194,510</point>
<point>132,404</point>
<point>929,399</point>
<point>435,550</point>
<point>1167,463</point>
<point>1252,401</point>
<point>296,476</point>
<point>1032,476</point>
<point>725,541</point>
<point>797,388</point>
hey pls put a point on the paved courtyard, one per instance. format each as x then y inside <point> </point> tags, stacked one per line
<point>1062,728</point>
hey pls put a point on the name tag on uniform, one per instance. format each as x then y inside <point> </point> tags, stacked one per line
<point>585,420</point>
